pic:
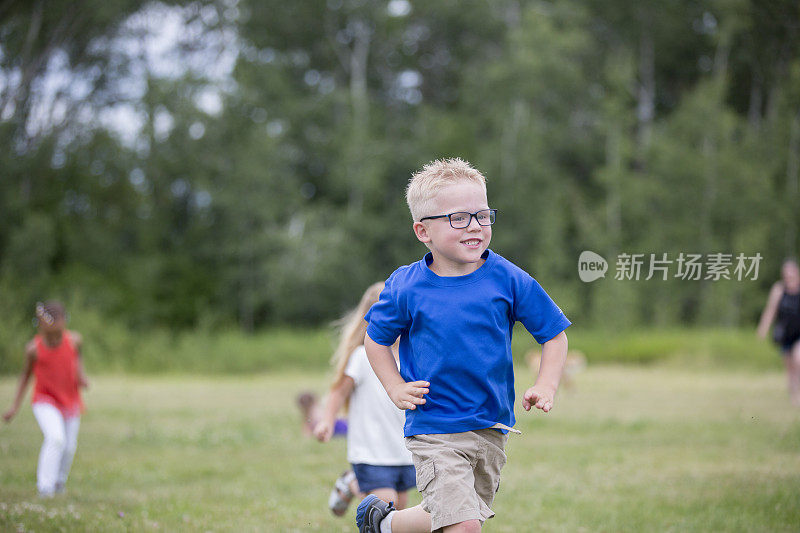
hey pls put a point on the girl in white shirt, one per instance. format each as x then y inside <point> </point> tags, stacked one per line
<point>375,445</point>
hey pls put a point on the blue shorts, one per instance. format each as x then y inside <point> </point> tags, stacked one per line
<point>371,477</point>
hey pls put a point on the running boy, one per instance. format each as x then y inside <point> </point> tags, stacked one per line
<point>53,356</point>
<point>454,311</point>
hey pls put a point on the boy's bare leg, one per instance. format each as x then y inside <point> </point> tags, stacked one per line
<point>470,526</point>
<point>411,520</point>
<point>415,520</point>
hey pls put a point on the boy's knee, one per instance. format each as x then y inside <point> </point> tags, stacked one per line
<point>469,526</point>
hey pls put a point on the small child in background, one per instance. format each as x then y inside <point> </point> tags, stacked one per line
<point>346,485</point>
<point>573,365</point>
<point>310,410</point>
<point>54,357</point>
<point>375,446</point>
<point>783,309</point>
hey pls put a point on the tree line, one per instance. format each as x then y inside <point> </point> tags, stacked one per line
<point>217,162</point>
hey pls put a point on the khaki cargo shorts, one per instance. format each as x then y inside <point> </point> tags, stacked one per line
<point>458,474</point>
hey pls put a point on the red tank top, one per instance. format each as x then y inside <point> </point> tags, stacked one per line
<point>56,371</point>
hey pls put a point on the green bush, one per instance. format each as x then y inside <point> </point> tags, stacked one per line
<point>227,352</point>
<point>110,347</point>
<point>735,348</point>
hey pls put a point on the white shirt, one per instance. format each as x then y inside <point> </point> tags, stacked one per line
<point>374,423</point>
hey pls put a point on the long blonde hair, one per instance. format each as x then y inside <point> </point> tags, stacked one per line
<point>353,329</point>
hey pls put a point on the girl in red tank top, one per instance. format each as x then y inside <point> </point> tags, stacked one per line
<point>53,356</point>
<point>56,372</point>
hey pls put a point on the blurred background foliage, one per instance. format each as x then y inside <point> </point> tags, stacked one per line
<point>208,165</point>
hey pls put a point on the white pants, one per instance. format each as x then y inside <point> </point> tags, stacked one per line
<point>58,448</point>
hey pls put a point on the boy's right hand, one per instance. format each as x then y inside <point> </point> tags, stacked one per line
<point>409,395</point>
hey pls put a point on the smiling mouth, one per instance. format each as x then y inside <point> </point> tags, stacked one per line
<point>472,242</point>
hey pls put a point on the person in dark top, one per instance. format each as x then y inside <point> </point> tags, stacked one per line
<point>783,309</point>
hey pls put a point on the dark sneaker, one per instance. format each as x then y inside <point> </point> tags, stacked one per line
<point>341,494</point>
<point>370,512</point>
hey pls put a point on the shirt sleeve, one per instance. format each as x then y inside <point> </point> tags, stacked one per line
<point>386,318</point>
<point>540,315</point>
<point>355,365</point>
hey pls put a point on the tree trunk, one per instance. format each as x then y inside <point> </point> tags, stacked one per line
<point>756,101</point>
<point>614,200</point>
<point>360,104</point>
<point>510,141</point>
<point>792,185</point>
<point>646,94</point>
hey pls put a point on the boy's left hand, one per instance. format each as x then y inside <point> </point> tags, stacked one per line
<point>538,397</point>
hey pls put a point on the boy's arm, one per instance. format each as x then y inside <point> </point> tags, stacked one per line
<point>25,376</point>
<point>403,395</point>
<point>541,395</point>
<point>323,431</point>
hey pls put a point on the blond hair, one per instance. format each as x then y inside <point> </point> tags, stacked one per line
<point>427,182</point>
<point>353,329</point>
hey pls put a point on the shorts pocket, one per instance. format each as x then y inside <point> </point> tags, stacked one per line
<point>425,474</point>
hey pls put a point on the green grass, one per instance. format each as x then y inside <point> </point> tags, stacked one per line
<point>646,448</point>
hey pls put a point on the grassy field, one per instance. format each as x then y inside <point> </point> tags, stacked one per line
<point>648,448</point>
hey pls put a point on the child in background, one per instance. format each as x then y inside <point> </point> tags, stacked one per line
<point>375,448</point>
<point>346,485</point>
<point>310,410</point>
<point>454,311</point>
<point>54,357</point>
<point>783,308</point>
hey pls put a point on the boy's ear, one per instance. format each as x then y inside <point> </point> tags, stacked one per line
<point>421,232</point>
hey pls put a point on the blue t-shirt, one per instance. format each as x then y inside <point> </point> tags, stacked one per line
<point>455,333</point>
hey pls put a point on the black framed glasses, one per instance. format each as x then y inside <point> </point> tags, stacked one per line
<point>462,219</point>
